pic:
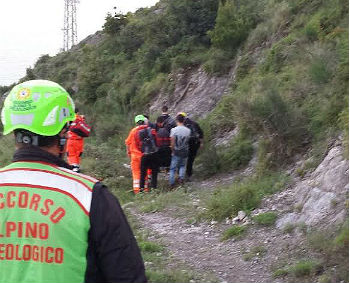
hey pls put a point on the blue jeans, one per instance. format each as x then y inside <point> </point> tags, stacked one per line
<point>177,162</point>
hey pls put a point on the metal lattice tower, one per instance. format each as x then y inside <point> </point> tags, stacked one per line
<point>70,36</point>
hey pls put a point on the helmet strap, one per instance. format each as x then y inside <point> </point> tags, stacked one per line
<point>61,143</point>
<point>27,138</point>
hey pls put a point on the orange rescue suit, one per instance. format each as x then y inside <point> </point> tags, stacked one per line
<point>75,146</point>
<point>134,151</point>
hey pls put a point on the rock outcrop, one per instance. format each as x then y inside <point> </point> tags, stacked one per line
<point>320,198</point>
<point>196,92</point>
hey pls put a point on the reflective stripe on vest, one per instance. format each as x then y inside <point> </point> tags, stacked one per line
<point>44,223</point>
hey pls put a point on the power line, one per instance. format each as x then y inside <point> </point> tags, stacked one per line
<point>70,26</point>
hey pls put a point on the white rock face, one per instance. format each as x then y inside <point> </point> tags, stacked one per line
<point>195,93</point>
<point>323,194</point>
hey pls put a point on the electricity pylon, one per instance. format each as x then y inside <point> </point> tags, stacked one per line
<point>70,35</point>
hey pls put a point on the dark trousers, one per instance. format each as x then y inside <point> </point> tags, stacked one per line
<point>164,156</point>
<point>161,158</point>
<point>149,161</point>
<point>192,152</point>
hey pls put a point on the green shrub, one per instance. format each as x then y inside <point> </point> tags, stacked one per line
<point>319,72</point>
<point>237,154</point>
<point>280,273</point>
<point>332,247</point>
<point>227,201</point>
<point>149,90</point>
<point>266,219</point>
<point>303,268</point>
<point>234,21</point>
<point>146,246</point>
<point>269,113</point>
<point>288,228</point>
<point>219,62</point>
<point>210,161</point>
<point>233,231</point>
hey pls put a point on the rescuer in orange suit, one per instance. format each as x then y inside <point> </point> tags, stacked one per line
<point>134,151</point>
<point>75,145</point>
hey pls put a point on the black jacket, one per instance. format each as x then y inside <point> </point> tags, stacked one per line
<point>194,126</point>
<point>112,254</point>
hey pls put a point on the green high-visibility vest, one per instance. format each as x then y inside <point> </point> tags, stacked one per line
<point>44,223</point>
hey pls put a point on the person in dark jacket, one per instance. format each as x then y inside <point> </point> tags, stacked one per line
<point>159,158</point>
<point>168,121</point>
<point>163,143</point>
<point>195,142</point>
<point>75,228</point>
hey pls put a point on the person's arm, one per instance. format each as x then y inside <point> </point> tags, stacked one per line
<point>113,255</point>
<point>172,144</point>
<point>199,130</point>
<point>201,134</point>
<point>128,142</point>
<point>172,140</point>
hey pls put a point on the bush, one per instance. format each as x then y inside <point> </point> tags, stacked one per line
<point>319,71</point>
<point>234,21</point>
<point>333,249</point>
<point>149,90</point>
<point>219,62</point>
<point>227,201</point>
<point>280,273</point>
<point>303,268</point>
<point>210,161</point>
<point>267,112</point>
<point>151,247</point>
<point>233,231</point>
<point>237,154</point>
<point>266,219</point>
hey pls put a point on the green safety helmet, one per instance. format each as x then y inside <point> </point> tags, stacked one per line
<point>139,118</point>
<point>39,106</point>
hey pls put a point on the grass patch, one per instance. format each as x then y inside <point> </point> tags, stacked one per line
<point>151,247</point>
<point>303,268</point>
<point>233,231</point>
<point>266,219</point>
<point>154,202</point>
<point>246,195</point>
<point>169,275</point>
<point>333,249</point>
<point>280,273</point>
<point>288,228</point>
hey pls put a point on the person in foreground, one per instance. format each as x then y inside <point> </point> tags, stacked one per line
<point>57,225</point>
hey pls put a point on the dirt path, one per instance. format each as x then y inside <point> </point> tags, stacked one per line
<point>199,246</point>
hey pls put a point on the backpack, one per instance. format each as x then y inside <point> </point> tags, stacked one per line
<point>147,141</point>
<point>163,137</point>
<point>80,128</point>
<point>169,123</point>
<point>194,131</point>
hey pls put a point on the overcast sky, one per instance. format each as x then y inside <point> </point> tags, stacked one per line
<point>30,28</point>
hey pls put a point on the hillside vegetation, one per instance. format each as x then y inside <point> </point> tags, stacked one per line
<point>290,92</point>
<point>289,97</point>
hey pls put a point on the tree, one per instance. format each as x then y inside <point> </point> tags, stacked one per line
<point>114,24</point>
